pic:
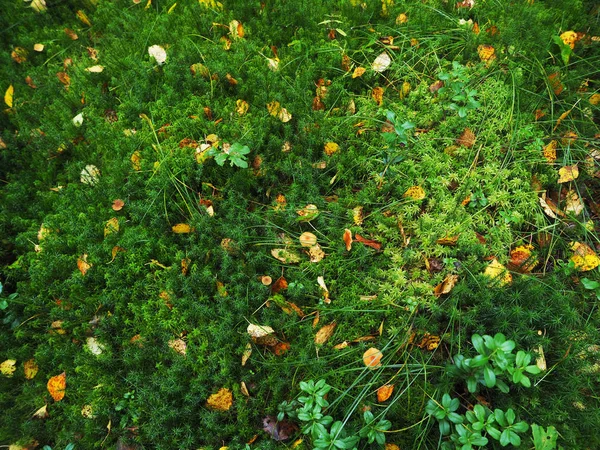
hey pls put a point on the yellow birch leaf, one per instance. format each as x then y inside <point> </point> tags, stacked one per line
<point>497,272</point>
<point>573,203</point>
<point>285,256</point>
<point>136,160</point>
<point>247,353</point>
<point>30,368</point>
<point>584,257</point>
<point>377,95</point>
<point>57,386</point>
<point>595,99</point>
<point>568,173</point>
<point>82,264</point>
<point>181,228</point>
<point>8,96</point>
<point>284,115</point>
<point>41,413</point>
<point>241,107</point>
<point>415,192</point>
<point>221,401</point>
<point>357,215</point>
<point>83,18</point>
<point>358,72</point>
<point>316,253</point>
<point>112,226</point>
<point>331,148</point>
<point>550,151</point>
<point>487,53</point>
<point>8,367</point>
<point>562,117</point>
<point>172,8</point>
<point>274,107</point>
<point>569,38</point>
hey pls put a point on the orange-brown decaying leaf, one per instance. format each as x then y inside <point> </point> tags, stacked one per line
<point>325,333</point>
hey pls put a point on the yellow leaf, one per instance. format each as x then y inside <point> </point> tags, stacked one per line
<point>562,117</point>
<point>8,96</point>
<point>487,53</point>
<point>41,413</point>
<point>550,151</point>
<point>39,6</point>
<point>372,358</point>
<point>181,228</point>
<point>274,107</point>
<point>112,226</point>
<point>569,38</point>
<point>384,392</point>
<point>498,272</point>
<point>241,107</point>
<point>221,401</point>
<point>595,99</point>
<point>325,333</point>
<point>8,367</point>
<point>568,173</point>
<point>83,18</point>
<point>316,253</point>
<point>358,72</point>
<point>38,47</point>
<point>401,19</point>
<point>522,260</point>
<point>95,69</point>
<point>307,239</point>
<point>247,353</point>
<point>308,213</point>
<point>178,345</point>
<point>88,412</point>
<point>136,160</point>
<point>573,203</point>
<point>331,148</point>
<point>30,368</point>
<point>429,342</point>
<point>357,215</point>
<point>172,8</point>
<point>584,257</point>
<point>57,386</point>
<point>377,95</point>
<point>285,256</point>
<point>284,115</point>
<point>415,192</point>
<point>390,446</point>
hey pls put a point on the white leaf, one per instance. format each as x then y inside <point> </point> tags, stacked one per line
<point>95,69</point>
<point>94,346</point>
<point>78,120</point>
<point>90,175</point>
<point>158,53</point>
<point>382,62</point>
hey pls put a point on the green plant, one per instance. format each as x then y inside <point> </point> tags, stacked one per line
<point>591,285</point>
<point>456,92</point>
<point>234,153</point>
<point>69,446</point>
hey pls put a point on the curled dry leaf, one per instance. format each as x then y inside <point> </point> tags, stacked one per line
<point>445,286</point>
<point>247,353</point>
<point>82,264</point>
<point>279,431</point>
<point>498,273</point>
<point>372,358</point>
<point>429,342</point>
<point>95,69</point>
<point>584,257</point>
<point>41,413</point>
<point>385,392</point>
<point>71,34</point>
<point>325,291</point>
<point>308,239</point>
<point>30,368</point>
<point>348,239</point>
<point>448,240</point>
<point>116,249</point>
<point>550,207</point>
<point>280,348</point>
<point>325,333</point>
<point>381,63</point>
<point>220,401</point>
<point>262,334</point>
<point>57,386</point>
<point>244,389</point>
<point>179,346</point>
<point>568,173</point>
<point>8,367</point>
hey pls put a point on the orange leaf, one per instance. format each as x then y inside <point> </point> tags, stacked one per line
<point>57,386</point>
<point>325,333</point>
<point>372,358</point>
<point>521,260</point>
<point>64,78</point>
<point>369,242</point>
<point>279,285</point>
<point>562,117</point>
<point>71,34</point>
<point>550,151</point>
<point>280,348</point>
<point>185,265</point>
<point>348,239</point>
<point>467,138</point>
<point>82,264</point>
<point>384,392</point>
<point>487,54</point>
<point>429,342</point>
<point>555,83</point>
<point>117,205</point>
<point>445,286</point>
<point>221,401</point>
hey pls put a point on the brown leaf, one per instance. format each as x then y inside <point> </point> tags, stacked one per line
<point>325,333</point>
<point>30,82</point>
<point>369,242</point>
<point>64,78</point>
<point>429,342</point>
<point>467,138</point>
<point>279,285</point>
<point>221,401</point>
<point>434,265</point>
<point>82,264</point>
<point>372,358</point>
<point>522,260</point>
<point>262,335</point>
<point>317,104</point>
<point>555,83</point>
<point>179,346</point>
<point>71,34</point>
<point>348,239</point>
<point>445,286</point>
<point>434,87</point>
<point>279,431</point>
<point>57,386</point>
<point>280,348</point>
<point>19,55</point>
<point>550,151</point>
<point>384,392</point>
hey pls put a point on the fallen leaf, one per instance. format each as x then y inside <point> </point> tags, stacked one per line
<point>325,333</point>
<point>415,192</point>
<point>247,353</point>
<point>39,6</point>
<point>241,107</point>
<point>117,205</point>
<point>83,18</point>
<point>71,34</point>
<point>573,203</point>
<point>221,401</point>
<point>357,215</point>
<point>262,335</point>
<point>445,286</point>
<point>341,345</point>
<point>136,160</point>
<point>30,82</point>
<point>325,291</point>
<point>116,249</point>
<point>401,19</point>
<point>95,69</point>
<point>57,386</point>
<point>382,62</point>
<point>30,368</point>
<point>185,265</point>
<point>285,256</point>
<point>90,175</point>
<point>568,173</point>
<point>279,431</point>
<point>561,118</point>
<point>377,95</point>
<point>315,253</point>
<point>41,413</point>
<point>112,226</point>
<point>182,228</point>
<point>348,239</point>
<point>429,342</point>
<point>550,207</point>
<point>569,137</point>
<point>307,239</point>
<point>372,358</point>
<point>540,360</point>
<point>280,285</point>
<point>200,69</point>
<point>179,346</point>
<point>8,96</point>
<point>95,347</point>
<point>88,412</point>
<point>497,272</point>
<point>390,446</point>
<point>331,148</point>
<point>550,151</point>
<point>308,213</point>
<point>78,120</point>
<point>594,99</point>
<point>385,392</point>
<point>486,53</point>
<point>569,38</point>
<point>158,53</point>
<point>467,138</point>
<point>522,260</point>
<point>19,55</point>
<point>358,72</point>
<point>284,115</point>
<point>280,348</point>
<point>369,242</point>
<point>8,367</point>
<point>244,391</point>
<point>82,264</point>
<point>448,240</point>
<point>555,83</point>
<point>38,47</point>
<point>584,257</point>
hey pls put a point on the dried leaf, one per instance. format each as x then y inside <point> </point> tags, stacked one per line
<point>280,348</point>
<point>30,368</point>
<point>550,207</point>
<point>284,115</point>
<point>331,148</point>
<point>498,273</point>
<point>83,18</point>
<point>279,431</point>
<point>467,138</point>
<point>550,151</point>
<point>358,72</point>
<point>241,107</point>
<point>429,342</point>
<point>487,53</point>
<point>569,38</point>
<point>568,173</point>
<point>325,291</point>
<point>57,386</point>
<point>372,358</point>
<point>584,257</point>
<point>19,55</point>
<point>385,392</point>
<point>112,226</point>
<point>555,83</point>
<point>8,367</point>
<point>8,96</point>
<point>221,401</point>
<point>415,192</point>
<point>307,239</point>
<point>357,215</point>
<point>71,34</point>
<point>325,333</point>
<point>540,361</point>
<point>401,19</point>
<point>179,346</point>
<point>377,95</point>
<point>369,242</point>
<point>88,412</point>
<point>262,334</point>
<point>95,69</point>
<point>158,53</point>
<point>448,240</point>
<point>381,63</point>
<point>136,160</point>
<point>279,285</point>
<point>285,256</point>
<point>348,239</point>
<point>182,228</point>
<point>594,99</point>
<point>522,260</point>
<point>445,286</point>
<point>315,253</point>
<point>82,264</point>
<point>247,353</point>
<point>308,213</point>
<point>561,118</point>
<point>573,203</point>
<point>244,389</point>
<point>39,6</point>
<point>116,249</point>
<point>41,413</point>
<point>95,347</point>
